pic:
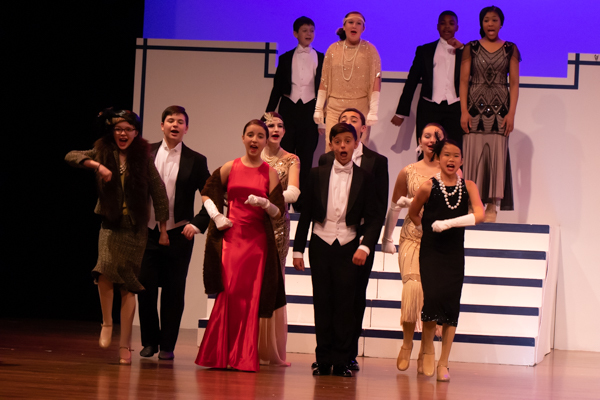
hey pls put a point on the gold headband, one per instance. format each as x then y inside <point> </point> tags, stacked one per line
<point>268,118</point>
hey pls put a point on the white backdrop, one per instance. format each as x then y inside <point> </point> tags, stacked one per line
<point>224,84</point>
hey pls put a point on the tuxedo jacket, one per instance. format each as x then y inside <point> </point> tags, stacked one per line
<point>376,165</point>
<point>282,83</point>
<point>314,208</point>
<point>192,175</point>
<point>422,68</point>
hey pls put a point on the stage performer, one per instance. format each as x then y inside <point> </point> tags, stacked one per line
<point>184,172</point>
<point>445,202</point>
<point>437,66</point>
<point>126,178</point>
<point>377,165</point>
<point>336,202</point>
<point>351,77</point>
<point>488,111</point>
<point>272,337</point>
<point>295,88</point>
<point>408,182</point>
<point>241,262</point>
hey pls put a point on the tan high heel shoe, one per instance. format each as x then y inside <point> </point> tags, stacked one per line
<point>428,364</point>
<point>105,336</point>
<point>403,360</point>
<point>443,373</point>
<point>125,360</point>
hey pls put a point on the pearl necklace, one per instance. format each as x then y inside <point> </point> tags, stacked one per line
<point>271,160</point>
<point>122,168</point>
<point>353,59</point>
<point>457,188</point>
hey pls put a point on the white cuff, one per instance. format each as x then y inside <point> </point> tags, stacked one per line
<point>297,254</point>
<point>364,248</point>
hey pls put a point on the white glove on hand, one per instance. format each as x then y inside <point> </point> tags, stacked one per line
<point>373,109</point>
<point>220,220</point>
<point>291,194</point>
<point>458,222</point>
<point>387,244</point>
<point>404,202</point>
<point>318,115</point>
<point>263,203</point>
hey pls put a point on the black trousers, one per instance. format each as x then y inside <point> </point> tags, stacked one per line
<point>446,115</point>
<point>167,267</point>
<point>360,301</point>
<point>301,137</point>
<point>334,281</point>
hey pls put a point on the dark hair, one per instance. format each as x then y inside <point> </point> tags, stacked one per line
<point>437,126</point>
<point>302,21</point>
<point>341,128</point>
<point>340,32</point>
<point>486,10</point>
<point>362,116</point>
<point>274,115</point>
<point>257,122</point>
<point>110,117</point>
<point>439,145</point>
<point>450,13</point>
<point>175,110</point>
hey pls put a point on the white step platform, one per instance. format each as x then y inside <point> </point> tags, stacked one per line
<point>507,303</point>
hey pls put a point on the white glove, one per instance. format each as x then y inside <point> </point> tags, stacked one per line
<point>220,220</point>
<point>387,243</point>
<point>291,194</point>
<point>373,109</point>
<point>318,115</point>
<point>263,203</point>
<point>404,202</point>
<point>458,222</point>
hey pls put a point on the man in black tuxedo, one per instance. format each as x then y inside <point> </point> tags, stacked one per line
<point>438,65</point>
<point>337,199</point>
<point>184,172</point>
<point>295,89</point>
<point>377,165</point>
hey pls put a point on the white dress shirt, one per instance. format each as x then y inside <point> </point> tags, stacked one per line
<point>167,164</point>
<point>444,61</point>
<point>304,69</point>
<point>334,226</point>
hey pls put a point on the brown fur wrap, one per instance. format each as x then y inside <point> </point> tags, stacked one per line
<point>135,188</point>
<point>272,295</point>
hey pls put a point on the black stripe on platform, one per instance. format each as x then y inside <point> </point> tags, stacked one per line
<point>476,280</point>
<point>389,334</point>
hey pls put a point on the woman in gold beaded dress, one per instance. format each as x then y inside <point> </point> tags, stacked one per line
<point>126,178</point>
<point>272,337</point>
<point>351,77</point>
<point>408,182</point>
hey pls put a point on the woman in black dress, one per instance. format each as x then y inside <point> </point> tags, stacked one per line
<point>445,200</point>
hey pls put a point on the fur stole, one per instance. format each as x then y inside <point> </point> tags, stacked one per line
<point>135,190</point>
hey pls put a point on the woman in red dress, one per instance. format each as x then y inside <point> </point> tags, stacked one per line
<point>241,261</point>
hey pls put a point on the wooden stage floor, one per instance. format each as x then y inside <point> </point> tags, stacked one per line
<point>61,360</point>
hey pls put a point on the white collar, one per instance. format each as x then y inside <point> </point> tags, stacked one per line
<point>176,148</point>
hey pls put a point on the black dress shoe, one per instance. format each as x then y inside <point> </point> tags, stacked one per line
<point>353,366</point>
<point>314,365</point>
<point>148,351</point>
<point>342,370</point>
<point>166,355</point>
<point>322,370</point>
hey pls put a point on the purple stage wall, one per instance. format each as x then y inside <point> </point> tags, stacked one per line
<point>545,31</point>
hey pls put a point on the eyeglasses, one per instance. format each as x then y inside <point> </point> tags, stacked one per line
<point>121,130</point>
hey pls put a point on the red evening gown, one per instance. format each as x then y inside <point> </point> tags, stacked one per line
<point>231,336</point>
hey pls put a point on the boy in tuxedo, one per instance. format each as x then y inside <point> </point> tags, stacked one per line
<point>438,65</point>
<point>295,89</point>
<point>336,202</point>
<point>377,165</point>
